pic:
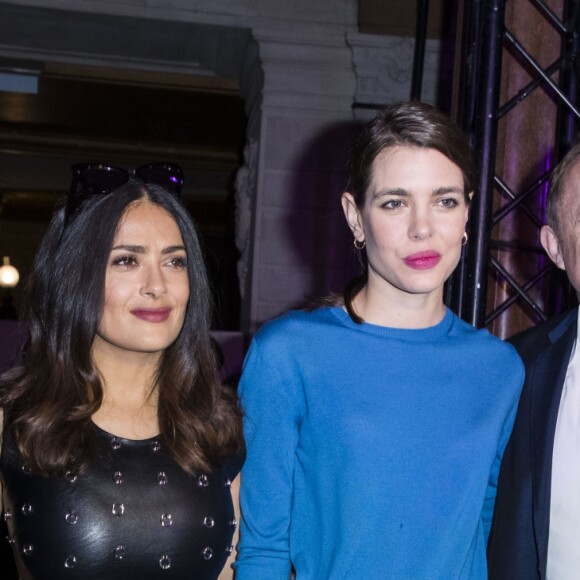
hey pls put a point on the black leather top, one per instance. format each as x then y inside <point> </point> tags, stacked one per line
<point>134,515</point>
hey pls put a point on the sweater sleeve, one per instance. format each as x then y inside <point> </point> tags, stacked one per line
<point>491,492</point>
<point>271,401</point>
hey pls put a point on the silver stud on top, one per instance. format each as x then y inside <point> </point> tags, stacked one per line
<point>119,552</point>
<point>166,520</point>
<point>207,553</point>
<point>118,478</point>
<point>228,482</point>
<point>70,562</point>
<point>202,480</point>
<point>115,443</point>
<point>10,539</point>
<point>156,446</point>
<point>233,523</point>
<point>118,509</point>
<point>7,515</point>
<point>27,549</point>
<point>26,509</point>
<point>208,522</point>
<point>165,562</point>
<point>230,549</point>
<point>71,518</point>
<point>162,478</point>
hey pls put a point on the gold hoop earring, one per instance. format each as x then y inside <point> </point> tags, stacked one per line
<point>359,245</point>
<point>464,239</point>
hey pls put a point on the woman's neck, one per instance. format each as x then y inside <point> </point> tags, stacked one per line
<point>395,309</point>
<point>130,396</point>
<point>138,423</point>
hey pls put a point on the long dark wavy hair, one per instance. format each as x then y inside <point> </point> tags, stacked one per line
<point>406,124</point>
<point>50,398</point>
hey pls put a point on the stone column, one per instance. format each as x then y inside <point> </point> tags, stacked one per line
<point>384,65</point>
<point>293,238</point>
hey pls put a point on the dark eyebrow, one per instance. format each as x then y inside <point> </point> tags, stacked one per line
<point>398,191</point>
<point>129,248</point>
<point>447,190</point>
<point>171,249</point>
<point>142,250</point>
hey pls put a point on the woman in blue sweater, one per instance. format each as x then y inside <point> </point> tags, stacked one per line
<point>375,425</point>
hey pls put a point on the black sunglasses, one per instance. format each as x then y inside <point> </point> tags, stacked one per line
<point>98,178</point>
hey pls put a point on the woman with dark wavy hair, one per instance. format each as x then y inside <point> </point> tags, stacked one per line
<point>375,424</point>
<point>120,444</point>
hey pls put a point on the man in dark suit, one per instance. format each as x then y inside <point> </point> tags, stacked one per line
<point>536,528</point>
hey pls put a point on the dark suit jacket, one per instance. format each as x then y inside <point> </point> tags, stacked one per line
<point>518,544</point>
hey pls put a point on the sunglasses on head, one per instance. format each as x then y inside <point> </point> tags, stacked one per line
<point>100,179</point>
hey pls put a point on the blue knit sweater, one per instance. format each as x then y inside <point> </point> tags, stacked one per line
<point>373,452</point>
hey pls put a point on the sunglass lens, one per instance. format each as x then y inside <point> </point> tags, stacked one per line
<point>170,177</point>
<point>103,179</point>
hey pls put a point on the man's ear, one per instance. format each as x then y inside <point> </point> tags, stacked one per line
<point>551,244</point>
<point>468,206</point>
<point>352,215</point>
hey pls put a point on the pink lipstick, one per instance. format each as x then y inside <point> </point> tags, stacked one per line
<point>152,314</point>
<point>423,260</point>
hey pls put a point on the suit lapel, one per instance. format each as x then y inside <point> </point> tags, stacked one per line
<point>547,383</point>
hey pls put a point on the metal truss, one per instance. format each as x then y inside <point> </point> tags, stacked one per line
<point>486,38</point>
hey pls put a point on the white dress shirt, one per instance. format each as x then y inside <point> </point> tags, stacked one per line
<point>564,537</point>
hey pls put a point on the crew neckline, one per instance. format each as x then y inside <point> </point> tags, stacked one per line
<point>113,436</point>
<point>429,333</point>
